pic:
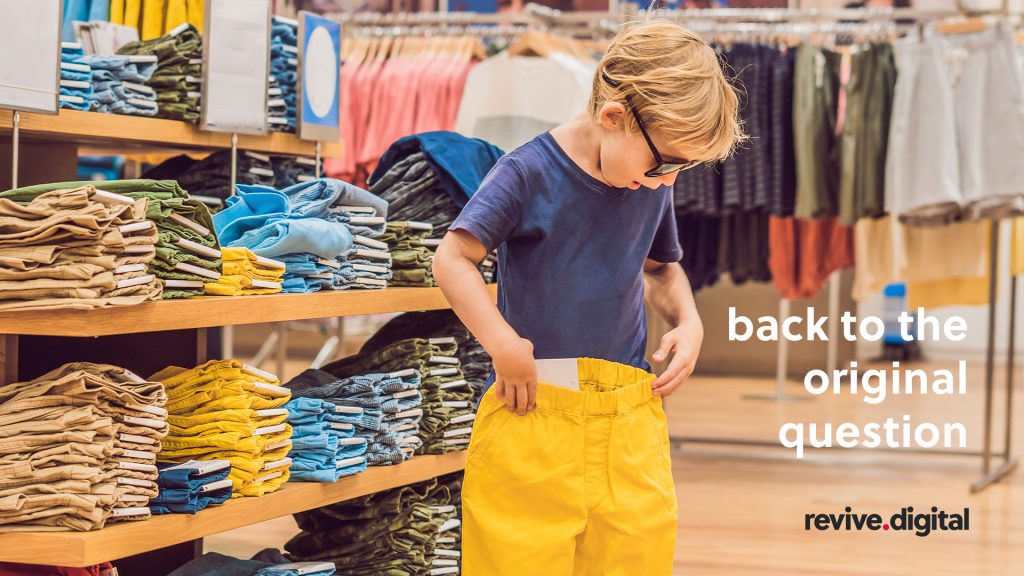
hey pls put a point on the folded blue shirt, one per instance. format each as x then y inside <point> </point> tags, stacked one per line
<point>120,67</point>
<point>247,210</point>
<point>75,75</point>
<point>286,236</point>
<point>304,284</point>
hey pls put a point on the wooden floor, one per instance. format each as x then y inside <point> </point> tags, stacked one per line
<point>742,507</point>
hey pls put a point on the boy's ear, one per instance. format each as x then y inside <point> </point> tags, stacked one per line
<point>612,115</point>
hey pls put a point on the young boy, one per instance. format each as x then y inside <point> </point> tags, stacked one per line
<point>565,482</point>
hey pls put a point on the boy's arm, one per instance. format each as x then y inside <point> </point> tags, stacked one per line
<point>456,273</point>
<point>670,294</point>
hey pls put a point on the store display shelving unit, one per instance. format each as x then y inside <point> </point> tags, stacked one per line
<point>148,337</point>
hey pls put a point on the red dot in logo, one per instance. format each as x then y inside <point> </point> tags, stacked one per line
<point>885,526</point>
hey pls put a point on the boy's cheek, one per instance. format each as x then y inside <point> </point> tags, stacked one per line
<point>625,170</point>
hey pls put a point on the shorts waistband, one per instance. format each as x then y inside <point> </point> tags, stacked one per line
<point>606,388</point>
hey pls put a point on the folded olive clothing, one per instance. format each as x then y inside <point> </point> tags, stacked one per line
<point>179,58</point>
<point>412,261</point>
<point>67,460</point>
<point>400,532</point>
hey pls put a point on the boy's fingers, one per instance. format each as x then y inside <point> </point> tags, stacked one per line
<point>675,383</point>
<point>499,389</point>
<point>510,396</point>
<point>664,347</point>
<point>674,369</point>
<point>531,390</point>
<point>522,399</point>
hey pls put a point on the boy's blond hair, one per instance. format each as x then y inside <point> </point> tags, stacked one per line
<point>677,85</point>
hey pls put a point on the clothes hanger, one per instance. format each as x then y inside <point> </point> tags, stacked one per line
<point>961,26</point>
<point>530,43</point>
<point>478,51</point>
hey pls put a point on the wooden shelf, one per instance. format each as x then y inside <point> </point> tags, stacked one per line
<point>208,311</point>
<point>116,129</point>
<point>80,549</point>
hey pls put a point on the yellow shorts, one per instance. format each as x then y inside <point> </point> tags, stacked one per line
<point>582,485</point>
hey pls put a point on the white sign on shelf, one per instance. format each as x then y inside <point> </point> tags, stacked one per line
<point>319,71</point>
<point>236,62</point>
<point>30,55</point>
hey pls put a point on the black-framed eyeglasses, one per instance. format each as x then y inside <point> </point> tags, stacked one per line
<point>662,168</point>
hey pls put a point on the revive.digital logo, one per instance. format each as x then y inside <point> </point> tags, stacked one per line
<point>904,520</point>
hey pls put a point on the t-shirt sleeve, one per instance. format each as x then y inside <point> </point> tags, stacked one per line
<point>665,247</point>
<point>496,209</point>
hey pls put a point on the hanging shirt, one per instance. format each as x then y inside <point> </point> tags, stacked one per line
<point>509,100</point>
<point>571,251</point>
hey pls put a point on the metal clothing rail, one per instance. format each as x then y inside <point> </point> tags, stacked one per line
<point>605,23</point>
<point>781,15</point>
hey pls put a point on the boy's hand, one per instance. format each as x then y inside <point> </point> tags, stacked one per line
<point>515,376</point>
<point>685,340</point>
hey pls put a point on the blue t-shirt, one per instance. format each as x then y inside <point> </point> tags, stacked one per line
<point>571,252</point>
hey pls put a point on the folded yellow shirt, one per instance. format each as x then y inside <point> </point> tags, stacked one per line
<point>237,415</point>
<point>255,488</point>
<point>235,285</point>
<point>249,270</point>
<point>206,401</point>
<point>218,389</point>
<point>174,376</point>
<point>219,426</point>
<point>244,260</point>
<point>184,446</point>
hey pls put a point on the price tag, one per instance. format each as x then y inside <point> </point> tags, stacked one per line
<point>30,44</point>
<point>236,61</point>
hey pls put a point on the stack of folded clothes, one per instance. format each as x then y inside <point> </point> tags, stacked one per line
<point>447,412</point>
<point>407,531</point>
<point>211,176</point>
<point>277,108</point>
<point>413,192</point>
<point>178,76</point>
<point>313,227</point>
<point>226,410</point>
<point>475,362</point>
<point>75,78</point>
<point>290,170</point>
<point>187,252</point>
<point>74,246</point>
<point>412,253</point>
<point>383,407</point>
<point>324,445</point>
<point>429,177</point>
<point>193,486</point>
<point>247,274</point>
<point>119,84</point>
<point>268,562</point>
<point>284,65</point>
<point>367,264</point>
<point>79,448</point>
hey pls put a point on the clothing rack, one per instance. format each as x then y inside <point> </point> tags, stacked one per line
<point>783,21</point>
